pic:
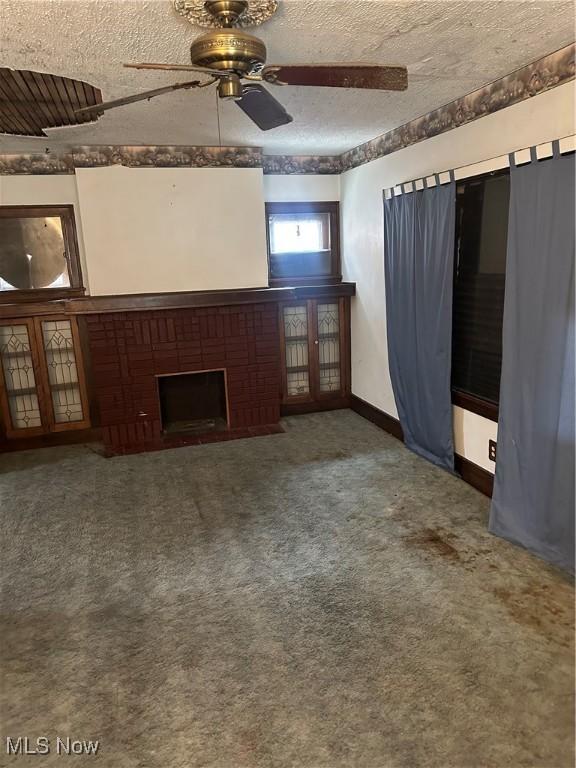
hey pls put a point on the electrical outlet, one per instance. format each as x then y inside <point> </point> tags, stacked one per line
<point>492,450</point>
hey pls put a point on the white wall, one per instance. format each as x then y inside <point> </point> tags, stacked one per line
<point>536,120</point>
<point>172,229</point>
<point>302,188</point>
<point>147,230</point>
<point>45,190</point>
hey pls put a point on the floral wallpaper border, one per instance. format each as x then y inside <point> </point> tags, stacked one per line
<point>531,80</point>
<point>302,164</point>
<point>167,157</point>
<point>36,164</point>
<point>132,157</point>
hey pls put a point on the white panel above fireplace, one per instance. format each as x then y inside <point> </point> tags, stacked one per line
<point>149,230</point>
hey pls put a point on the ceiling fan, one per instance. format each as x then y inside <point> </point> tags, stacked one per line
<point>236,61</point>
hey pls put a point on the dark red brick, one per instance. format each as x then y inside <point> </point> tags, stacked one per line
<point>130,351</point>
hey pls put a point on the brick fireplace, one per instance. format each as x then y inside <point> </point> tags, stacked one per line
<point>131,350</point>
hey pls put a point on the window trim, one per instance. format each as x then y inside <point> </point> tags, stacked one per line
<point>462,399</point>
<point>66,215</point>
<point>330,207</point>
<point>475,404</point>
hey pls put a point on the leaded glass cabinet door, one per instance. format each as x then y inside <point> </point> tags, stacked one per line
<point>328,342</point>
<point>61,358</point>
<point>295,326</point>
<point>21,390</point>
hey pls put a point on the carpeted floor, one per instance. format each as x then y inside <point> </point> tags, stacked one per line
<point>317,599</point>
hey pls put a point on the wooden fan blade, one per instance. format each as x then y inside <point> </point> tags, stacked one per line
<point>136,97</point>
<point>262,108</point>
<point>339,76</point>
<point>178,68</point>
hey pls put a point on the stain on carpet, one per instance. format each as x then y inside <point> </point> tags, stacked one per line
<point>432,541</point>
<point>536,607</point>
<point>321,598</point>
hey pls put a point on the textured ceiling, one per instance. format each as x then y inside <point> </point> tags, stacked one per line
<point>450,47</point>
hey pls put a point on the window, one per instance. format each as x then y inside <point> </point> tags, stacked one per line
<point>478,302</point>
<point>38,252</point>
<point>303,243</point>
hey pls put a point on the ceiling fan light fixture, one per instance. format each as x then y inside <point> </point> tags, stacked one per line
<point>227,55</point>
<point>230,88</point>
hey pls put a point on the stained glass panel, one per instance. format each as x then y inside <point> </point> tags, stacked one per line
<point>296,335</point>
<point>296,321</point>
<point>298,383</point>
<point>62,371</point>
<point>329,346</point>
<point>19,377</point>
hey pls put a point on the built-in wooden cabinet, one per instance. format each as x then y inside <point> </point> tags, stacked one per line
<point>42,383</point>
<point>315,351</point>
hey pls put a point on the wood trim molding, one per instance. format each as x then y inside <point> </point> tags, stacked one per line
<point>297,409</point>
<point>52,439</point>
<point>71,253</point>
<point>474,475</point>
<point>86,305</point>
<point>376,416</point>
<point>471,473</point>
<point>332,208</point>
<point>475,404</point>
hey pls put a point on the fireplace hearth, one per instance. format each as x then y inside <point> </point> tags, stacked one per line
<point>193,403</point>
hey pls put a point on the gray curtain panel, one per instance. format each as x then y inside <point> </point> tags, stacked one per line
<point>533,500</point>
<point>418,266</point>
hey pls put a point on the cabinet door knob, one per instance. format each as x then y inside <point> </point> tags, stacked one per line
<point>316,341</point>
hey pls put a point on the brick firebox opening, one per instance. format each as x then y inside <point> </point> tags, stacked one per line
<point>193,403</point>
<point>131,350</point>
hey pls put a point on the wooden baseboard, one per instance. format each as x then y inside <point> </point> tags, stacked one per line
<point>297,409</point>
<point>471,473</point>
<point>376,416</point>
<point>71,437</point>
<point>474,475</point>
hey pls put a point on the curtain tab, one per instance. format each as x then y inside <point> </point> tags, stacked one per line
<point>512,160</point>
<point>437,178</point>
<point>425,182</point>
<point>533,155</point>
<point>556,148</point>
<point>452,177</point>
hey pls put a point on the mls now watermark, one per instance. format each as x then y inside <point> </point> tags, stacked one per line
<point>23,745</point>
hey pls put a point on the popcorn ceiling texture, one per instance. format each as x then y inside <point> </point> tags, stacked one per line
<point>450,49</point>
<point>524,83</point>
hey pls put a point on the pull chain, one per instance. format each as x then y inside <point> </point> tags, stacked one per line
<point>218,118</point>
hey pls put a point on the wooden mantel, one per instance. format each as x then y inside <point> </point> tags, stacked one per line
<point>139,302</point>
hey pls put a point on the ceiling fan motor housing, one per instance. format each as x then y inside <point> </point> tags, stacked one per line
<point>229,49</point>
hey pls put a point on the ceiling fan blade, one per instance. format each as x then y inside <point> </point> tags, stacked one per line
<point>178,68</point>
<point>339,76</point>
<point>96,108</point>
<point>262,108</point>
